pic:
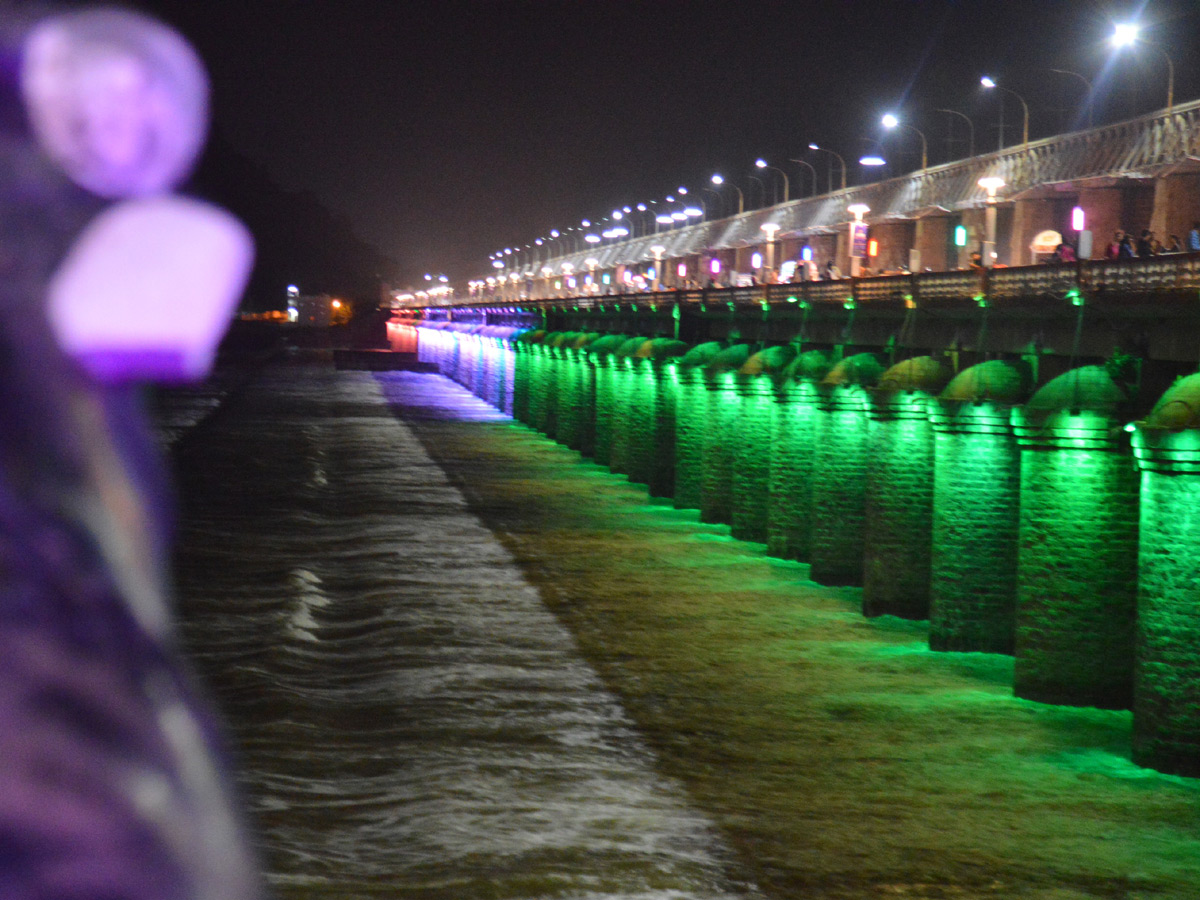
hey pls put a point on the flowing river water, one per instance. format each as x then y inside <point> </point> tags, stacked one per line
<point>410,719</point>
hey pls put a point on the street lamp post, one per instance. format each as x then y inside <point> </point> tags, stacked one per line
<point>991,185</point>
<point>719,180</point>
<point>970,129</point>
<point>990,83</point>
<point>762,164</point>
<point>838,158</point>
<point>1088,100</point>
<point>811,169</point>
<point>890,121</point>
<point>1127,34</point>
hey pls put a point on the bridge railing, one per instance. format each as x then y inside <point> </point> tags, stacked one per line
<point>1170,274</point>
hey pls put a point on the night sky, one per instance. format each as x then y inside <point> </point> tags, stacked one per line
<point>445,130</point>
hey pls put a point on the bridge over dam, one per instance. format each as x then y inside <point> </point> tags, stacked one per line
<point>1010,454</point>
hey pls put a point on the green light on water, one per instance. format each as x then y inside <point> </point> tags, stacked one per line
<point>980,299</point>
<point>1075,297</point>
<point>849,303</point>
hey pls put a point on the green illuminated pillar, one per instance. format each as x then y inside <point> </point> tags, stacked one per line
<point>720,434</point>
<point>755,382</point>
<point>840,471</point>
<point>658,452</point>
<point>571,391</point>
<point>899,526</point>
<point>623,385</point>
<point>1166,685</point>
<point>603,362</point>
<point>793,446</point>
<point>1077,561</point>
<point>691,416</point>
<point>976,502</point>
<point>523,376</point>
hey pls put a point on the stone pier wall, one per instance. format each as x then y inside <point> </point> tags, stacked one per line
<point>1014,521</point>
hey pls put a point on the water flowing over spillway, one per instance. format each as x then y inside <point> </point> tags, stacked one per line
<point>411,719</point>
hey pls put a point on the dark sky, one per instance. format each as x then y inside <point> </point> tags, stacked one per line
<point>448,129</point>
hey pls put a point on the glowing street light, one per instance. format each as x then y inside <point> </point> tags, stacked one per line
<point>1127,34</point>
<point>890,121</point>
<point>718,180</point>
<point>990,83</point>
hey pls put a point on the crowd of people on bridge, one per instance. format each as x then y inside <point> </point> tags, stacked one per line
<point>1125,246</point>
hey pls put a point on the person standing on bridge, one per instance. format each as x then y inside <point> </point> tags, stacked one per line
<point>1193,243</point>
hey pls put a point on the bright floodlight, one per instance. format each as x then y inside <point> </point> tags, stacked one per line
<point>641,207</point>
<point>618,215</point>
<point>813,147</point>
<point>682,190</point>
<point>554,232</point>
<point>890,121</point>
<point>592,238</point>
<point>1124,34</point>
<point>761,163</point>
<point>991,183</point>
<point>663,219</point>
<point>872,161</point>
<point>987,82</point>
<point>717,179</point>
<point>586,224</point>
<point>693,211</point>
<point>678,216</point>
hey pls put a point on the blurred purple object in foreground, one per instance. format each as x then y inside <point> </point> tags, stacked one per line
<point>113,783</point>
<point>189,263</point>
<point>118,100</point>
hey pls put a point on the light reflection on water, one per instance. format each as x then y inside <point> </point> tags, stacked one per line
<point>411,719</point>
